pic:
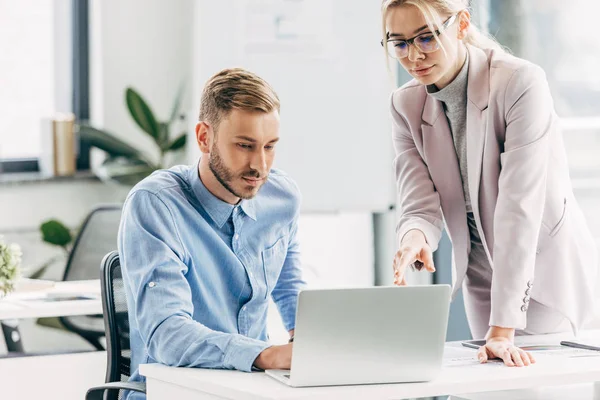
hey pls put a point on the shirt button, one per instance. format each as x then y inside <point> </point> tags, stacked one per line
<point>152,284</point>
<point>524,308</point>
<point>236,237</point>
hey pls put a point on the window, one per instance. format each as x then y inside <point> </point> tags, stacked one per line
<point>44,46</point>
<point>562,40</point>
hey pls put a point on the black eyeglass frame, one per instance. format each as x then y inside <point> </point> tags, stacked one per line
<point>411,41</point>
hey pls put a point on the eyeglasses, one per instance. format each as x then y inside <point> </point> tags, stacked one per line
<point>425,42</point>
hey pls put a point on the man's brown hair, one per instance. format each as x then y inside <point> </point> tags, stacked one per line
<point>235,88</point>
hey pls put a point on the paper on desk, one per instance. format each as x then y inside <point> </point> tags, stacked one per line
<point>464,357</point>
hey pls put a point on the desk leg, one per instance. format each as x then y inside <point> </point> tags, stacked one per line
<point>12,336</point>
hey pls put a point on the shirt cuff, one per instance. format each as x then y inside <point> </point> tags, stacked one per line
<point>242,351</point>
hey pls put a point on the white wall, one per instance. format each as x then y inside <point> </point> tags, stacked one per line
<point>145,44</point>
<point>323,59</point>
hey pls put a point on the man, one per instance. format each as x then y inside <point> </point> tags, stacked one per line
<point>203,247</point>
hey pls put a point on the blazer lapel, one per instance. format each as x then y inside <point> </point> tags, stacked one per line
<point>440,156</point>
<point>478,92</point>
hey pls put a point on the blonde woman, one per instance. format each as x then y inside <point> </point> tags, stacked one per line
<point>479,150</point>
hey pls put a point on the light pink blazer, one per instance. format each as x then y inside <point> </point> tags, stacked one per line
<point>531,226</point>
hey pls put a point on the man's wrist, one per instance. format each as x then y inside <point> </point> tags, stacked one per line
<point>263,361</point>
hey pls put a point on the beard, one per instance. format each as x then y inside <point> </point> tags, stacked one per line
<point>226,176</point>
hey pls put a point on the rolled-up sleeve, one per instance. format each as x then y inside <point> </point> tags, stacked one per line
<point>159,296</point>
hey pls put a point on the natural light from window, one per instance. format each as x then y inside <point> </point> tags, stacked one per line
<point>27,75</point>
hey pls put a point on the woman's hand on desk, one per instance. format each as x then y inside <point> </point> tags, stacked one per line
<point>413,250</point>
<point>500,344</point>
<point>275,357</point>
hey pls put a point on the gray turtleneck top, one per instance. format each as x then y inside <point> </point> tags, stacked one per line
<point>454,99</point>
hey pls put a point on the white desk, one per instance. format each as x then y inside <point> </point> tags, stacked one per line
<point>583,391</point>
<point>64,376</point>
<point>459,377</point>
<point>32,300</point>
<point>31,303</point>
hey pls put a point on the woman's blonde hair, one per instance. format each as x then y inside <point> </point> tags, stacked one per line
<point>433,11</point>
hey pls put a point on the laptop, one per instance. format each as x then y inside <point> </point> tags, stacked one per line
<point>368,335</point>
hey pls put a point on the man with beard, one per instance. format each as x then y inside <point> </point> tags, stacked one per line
<point>203,247</point>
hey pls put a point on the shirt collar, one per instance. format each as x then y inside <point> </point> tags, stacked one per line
<point>217,209</point>
<point>249,208</point>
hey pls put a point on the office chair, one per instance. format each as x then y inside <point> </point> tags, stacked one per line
<point>97,237</point>
<point>114,306</point>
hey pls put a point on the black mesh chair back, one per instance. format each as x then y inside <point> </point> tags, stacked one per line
<point>116,321</point>
<point>97,237</point>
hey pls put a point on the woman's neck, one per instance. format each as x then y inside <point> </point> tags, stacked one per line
<point>455,70</point>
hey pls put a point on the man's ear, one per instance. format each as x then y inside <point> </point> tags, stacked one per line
<point>464,22</point>
<point>203,136</point>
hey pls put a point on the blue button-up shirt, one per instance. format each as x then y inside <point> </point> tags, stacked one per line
<point>198,272</point>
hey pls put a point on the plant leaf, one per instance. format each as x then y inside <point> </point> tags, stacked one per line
<point>142,114</point>
<point>177,143</point>
<point>124,171</point>
<point>54,232</point>
<point>109,143</point>
<point>177,104</point>
<point>163,138</point>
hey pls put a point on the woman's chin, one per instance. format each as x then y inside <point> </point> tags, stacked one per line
<point>426,80</point>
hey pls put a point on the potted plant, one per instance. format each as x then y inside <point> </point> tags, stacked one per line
<point>125,164</point>
<point>10,267</point>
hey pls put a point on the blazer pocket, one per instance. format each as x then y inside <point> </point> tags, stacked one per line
<point>273,258</point>
<point>554,230</point>
<point>555,221</point>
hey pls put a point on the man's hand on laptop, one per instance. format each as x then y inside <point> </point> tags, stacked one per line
<point>275,357</point>
<point>414,250</point>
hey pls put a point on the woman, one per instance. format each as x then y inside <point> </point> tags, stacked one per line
<point>478,148</point>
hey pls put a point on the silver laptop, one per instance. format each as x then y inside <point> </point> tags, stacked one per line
<point>368,335</point>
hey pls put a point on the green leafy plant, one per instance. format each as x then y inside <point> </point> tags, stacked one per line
<point>126,164</point>
<point>10,267</point>
<point>55,233</point>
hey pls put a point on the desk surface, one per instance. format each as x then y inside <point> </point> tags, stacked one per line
<point>61,376</point>
<point>459,375</point>
<point>35,303</point>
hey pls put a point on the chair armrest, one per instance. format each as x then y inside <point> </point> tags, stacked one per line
<point>97,392</point>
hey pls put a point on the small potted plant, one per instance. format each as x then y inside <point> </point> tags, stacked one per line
<point>10,267</point>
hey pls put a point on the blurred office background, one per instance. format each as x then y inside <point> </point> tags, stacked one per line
<point>79,56</point>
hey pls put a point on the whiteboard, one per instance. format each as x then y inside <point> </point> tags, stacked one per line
<point>324,60</point>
